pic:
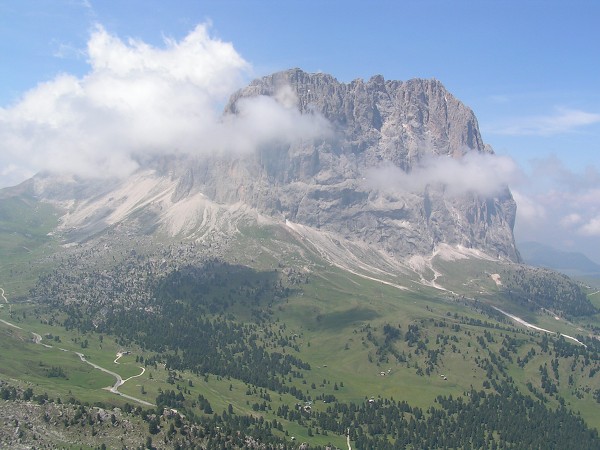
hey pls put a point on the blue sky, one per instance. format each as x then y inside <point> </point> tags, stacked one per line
<point>530,70</point>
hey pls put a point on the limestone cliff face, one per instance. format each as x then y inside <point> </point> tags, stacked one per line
<point>321,183</point>
<point>326,183</point>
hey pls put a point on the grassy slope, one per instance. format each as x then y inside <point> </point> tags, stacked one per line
<point>25,246</point>
<point>21,358</point>
<point>329,314</point>
<point>329,318</point>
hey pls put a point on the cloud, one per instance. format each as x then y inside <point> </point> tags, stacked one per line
<point>479,173</point>
<point>575,211</point>
<point>570,220</point>
<point>13,174</point>
<point>529,210</point>
<point>560,206</point>
<point>592,227</point>
<point>499,98</point>
<point>563,120</point>
<point>260,120</point>
<point>140,100</point>
<point>64,51</point>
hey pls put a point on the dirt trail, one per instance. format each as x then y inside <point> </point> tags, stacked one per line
<point>37,338</point>
<point>119,381</point>
<point>534,327</point>
<point>11,324</point>
<point>4,321</point>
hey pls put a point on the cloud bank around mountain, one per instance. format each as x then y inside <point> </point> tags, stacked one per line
<point>555,204</point>
<point>484,174</point>
<point>137,101</point>
<point>561,120</point>
<point>560,205</point>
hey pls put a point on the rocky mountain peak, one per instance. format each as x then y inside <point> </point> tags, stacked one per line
<point>376,123</point>
<point>334,183</point>
<point>396,121</point>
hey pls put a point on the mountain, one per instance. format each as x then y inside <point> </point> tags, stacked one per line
<point>329,183</point>
<point>377,124</point>
<point>571,263</point>
<point>313,288</point>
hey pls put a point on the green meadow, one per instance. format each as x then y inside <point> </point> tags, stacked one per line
<point>364,339</point>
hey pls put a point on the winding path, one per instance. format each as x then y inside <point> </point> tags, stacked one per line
<point>4,321</point>
<point>11,324</point>
<point>529,325</point>
<point>115,388</point>
<point>37,338</point>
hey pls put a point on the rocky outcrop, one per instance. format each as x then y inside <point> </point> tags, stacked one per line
<point>321,183</point>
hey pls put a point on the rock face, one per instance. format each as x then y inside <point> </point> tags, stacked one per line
<point>326,183</point>
<point>321,182</point>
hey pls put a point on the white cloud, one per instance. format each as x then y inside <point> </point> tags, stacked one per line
<point>14,174</point>
<point>571,220</point>
<point>142,100</point>
<point>64,51</point>
<point>560,207</point>
<point>530,212</point>
<point>591,228</point>
<point>499,98</point>
<point>483,174</point>
<point>269,119</point>
<point>563,120</point>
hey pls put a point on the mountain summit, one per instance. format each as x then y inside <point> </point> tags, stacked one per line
<point>385,164</point>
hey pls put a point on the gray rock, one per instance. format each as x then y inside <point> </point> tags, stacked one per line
<point>320,183</point>
<point>324,182</point>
